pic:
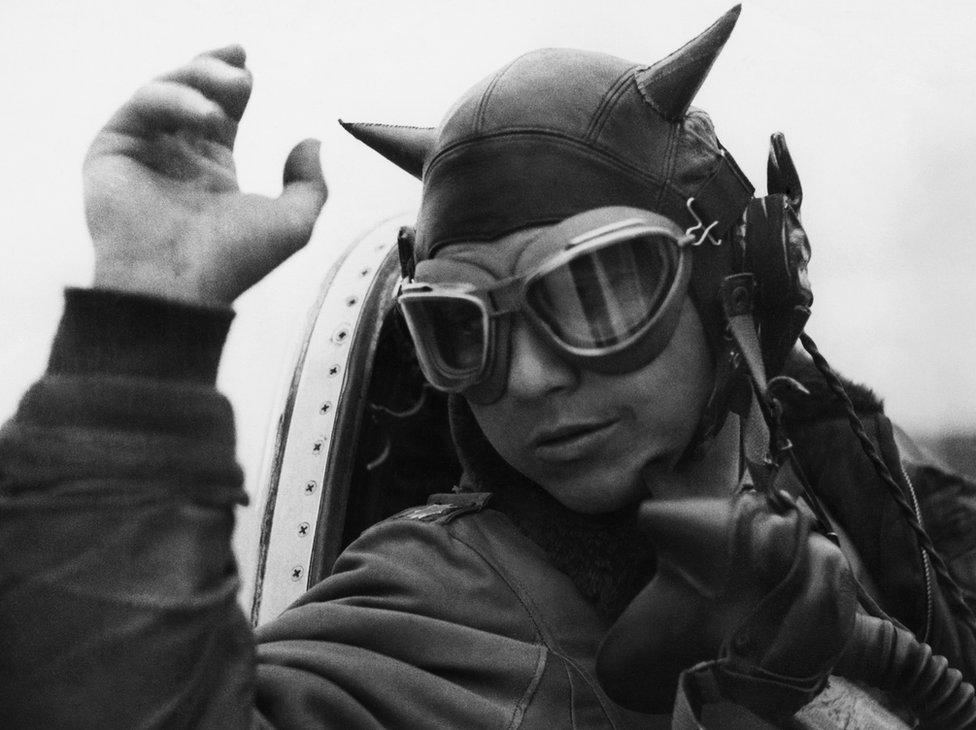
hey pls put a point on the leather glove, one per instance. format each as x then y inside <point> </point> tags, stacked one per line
<point>744,592</point>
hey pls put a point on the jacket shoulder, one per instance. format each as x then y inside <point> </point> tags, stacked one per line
<point>445,508</point>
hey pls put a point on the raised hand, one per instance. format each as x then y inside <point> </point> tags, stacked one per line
<point>164,209</point>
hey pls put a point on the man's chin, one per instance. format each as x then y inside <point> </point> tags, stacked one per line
<point>587,497</point>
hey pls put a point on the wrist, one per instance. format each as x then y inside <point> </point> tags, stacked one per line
<point>113,332</point>
<point>155,281</point>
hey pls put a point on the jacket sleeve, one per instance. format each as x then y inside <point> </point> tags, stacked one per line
<point>412,629</point>
<point>118,585</point>
<point>947,501</point>
<point>118,481</point>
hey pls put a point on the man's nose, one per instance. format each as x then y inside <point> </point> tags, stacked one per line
<point>535,368</point>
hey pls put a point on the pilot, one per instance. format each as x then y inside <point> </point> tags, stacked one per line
<point>571,283</point>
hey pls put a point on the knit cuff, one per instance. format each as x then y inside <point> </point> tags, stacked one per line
<point>110,332</point>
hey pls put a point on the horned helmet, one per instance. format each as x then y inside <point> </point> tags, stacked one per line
<point>558,132</point>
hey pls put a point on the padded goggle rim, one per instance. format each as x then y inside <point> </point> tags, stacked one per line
<point>487,382</point>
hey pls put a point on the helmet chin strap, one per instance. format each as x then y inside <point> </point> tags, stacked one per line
<point>767,451</point>
<point>731,393</point>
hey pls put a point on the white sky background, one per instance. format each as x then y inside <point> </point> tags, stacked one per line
<point>876,99</point>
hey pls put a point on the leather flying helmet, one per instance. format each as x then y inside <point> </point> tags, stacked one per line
<point>558,132</point>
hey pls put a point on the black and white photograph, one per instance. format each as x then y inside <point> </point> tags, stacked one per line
<point>462,365</point>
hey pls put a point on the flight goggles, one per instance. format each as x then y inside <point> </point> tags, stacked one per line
<point>607,299</point>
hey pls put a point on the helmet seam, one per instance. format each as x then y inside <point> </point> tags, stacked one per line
<point>602,113</point>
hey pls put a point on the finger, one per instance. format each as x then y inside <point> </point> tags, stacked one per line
<point>304,192</point>
<point>225,83</point>
<point>166,106</point>
<point>233,54</point>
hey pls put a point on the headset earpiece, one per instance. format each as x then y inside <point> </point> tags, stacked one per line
<point>777,252</point>
<point>781,175</point>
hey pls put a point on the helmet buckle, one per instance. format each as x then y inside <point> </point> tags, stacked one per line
<point>706,231</point>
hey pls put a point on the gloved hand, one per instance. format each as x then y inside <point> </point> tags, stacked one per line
<point>161,197</point>
<point>744,587</point>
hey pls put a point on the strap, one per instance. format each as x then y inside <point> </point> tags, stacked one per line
<point>738,299</point>
<point>725,195</point>
<point>696,688</point>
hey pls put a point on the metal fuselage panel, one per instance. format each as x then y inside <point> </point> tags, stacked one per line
<point>307,466</point>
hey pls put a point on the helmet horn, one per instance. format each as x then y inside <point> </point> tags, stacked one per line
<point>406,147</point>
<point>670,85</point>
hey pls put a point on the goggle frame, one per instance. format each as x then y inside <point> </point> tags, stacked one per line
<point>510,296</point>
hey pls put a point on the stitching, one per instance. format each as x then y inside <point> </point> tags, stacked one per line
<point>388,126</point>
<point>519,714</point>
<point>557,137</point>
<point>597,691</point>
<point>542,629</point>
<point>607,104</point>
<point>483,103</point>
<point>642,88</point>
<point>665,69</point>
<point>669,165</point>
<point>572,695</point>
<point>521,595</point>
<point>514,585</point>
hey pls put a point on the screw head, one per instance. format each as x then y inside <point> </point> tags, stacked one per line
<point>310,486</point>
<point>297,572</point>
<point>326,407</point>
<point>303,529</point>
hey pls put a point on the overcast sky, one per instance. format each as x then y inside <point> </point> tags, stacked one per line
<point>876,99</point>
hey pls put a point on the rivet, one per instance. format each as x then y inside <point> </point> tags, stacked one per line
<point>326,407</point>
<point>297,572</point>
<point>310,486</point>
<point>303,529</point>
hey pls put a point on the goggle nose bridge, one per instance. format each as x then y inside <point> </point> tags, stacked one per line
<point>505,297</point>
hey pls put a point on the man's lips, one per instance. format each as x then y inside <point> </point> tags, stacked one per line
<point>570,440</point>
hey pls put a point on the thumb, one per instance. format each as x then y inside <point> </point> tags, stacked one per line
<point>304,191</point>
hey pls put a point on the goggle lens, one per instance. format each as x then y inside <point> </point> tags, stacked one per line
<point>453,328</point>
<point>603,297</point>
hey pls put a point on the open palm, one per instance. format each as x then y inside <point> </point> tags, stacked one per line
<point>166,215</point>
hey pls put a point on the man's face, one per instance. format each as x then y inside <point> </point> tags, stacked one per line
<point>583,436</point>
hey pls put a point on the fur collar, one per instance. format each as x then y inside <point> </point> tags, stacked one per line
<point>821,402</point>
